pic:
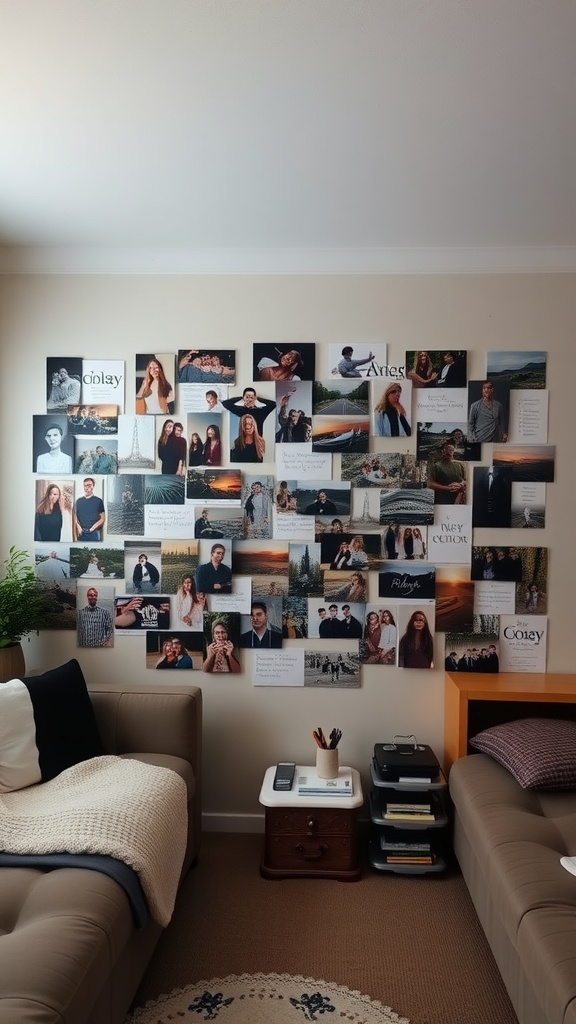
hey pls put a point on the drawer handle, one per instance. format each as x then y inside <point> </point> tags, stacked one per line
<point>311,854</point>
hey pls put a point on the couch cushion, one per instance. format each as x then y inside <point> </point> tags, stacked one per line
<point>72,926</point>
<point>47,724</point>
<point>539,752</point>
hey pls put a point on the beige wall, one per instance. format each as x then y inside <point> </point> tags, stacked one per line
<point>247,728</point>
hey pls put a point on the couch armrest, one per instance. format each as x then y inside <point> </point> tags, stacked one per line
<point>150,718</point>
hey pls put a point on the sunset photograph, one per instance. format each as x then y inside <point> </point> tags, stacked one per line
<point>530,463</point>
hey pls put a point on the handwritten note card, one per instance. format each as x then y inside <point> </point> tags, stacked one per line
<point>279,668</point>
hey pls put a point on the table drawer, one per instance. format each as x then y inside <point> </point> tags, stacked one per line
<point>313,853</point>
<point>321,821</point>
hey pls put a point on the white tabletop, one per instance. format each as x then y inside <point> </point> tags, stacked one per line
<point>270,797</point>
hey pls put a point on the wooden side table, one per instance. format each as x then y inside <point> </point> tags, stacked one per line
<point>476,700</point>
<point>310,836</point>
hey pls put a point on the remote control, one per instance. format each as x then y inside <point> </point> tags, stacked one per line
<point>284,775</point>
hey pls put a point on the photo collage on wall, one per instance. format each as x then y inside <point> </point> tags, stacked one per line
<point>356,536</point>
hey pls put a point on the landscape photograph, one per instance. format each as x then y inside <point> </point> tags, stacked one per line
<point>215,485</point>
<point>522,370</point>
<point>454,599</point>
<point>178,558</point>
<point>266,561</point>
<point>340,397</point>
<point>333,434</point>
<point>530,463</point>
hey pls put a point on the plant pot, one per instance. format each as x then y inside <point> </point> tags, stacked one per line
<point>12,664</point>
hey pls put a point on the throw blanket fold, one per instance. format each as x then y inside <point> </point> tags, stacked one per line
<point>108,805</point>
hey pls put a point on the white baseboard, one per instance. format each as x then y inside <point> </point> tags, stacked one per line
<point>233,823</point>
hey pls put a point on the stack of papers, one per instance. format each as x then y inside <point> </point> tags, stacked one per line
<point>311,784</point>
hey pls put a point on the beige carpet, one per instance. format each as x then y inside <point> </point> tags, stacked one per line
<point>411,942</point>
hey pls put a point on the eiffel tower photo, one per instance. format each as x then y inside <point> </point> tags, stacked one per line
<point>135,459</point>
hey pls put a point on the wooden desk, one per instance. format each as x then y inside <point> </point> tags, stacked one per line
<point>477,700</point>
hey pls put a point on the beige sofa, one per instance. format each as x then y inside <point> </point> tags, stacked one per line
<point>69,951</point>
<point>508,841</point>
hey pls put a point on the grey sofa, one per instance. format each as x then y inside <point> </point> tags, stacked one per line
<point>508,841</point>
<point>69,951</point>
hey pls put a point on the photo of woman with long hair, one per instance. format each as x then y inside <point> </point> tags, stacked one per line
<point>155,392</point>
<point>249,446</point>
<point>163,450</point>
<point>416,649</point>
<point>189,605</point>
<point>286,368</point>
<point>212,446</point>
<point>195,450</point>
<point>422,374</point>
<point>388,638</point>
<point>48,518</point>
<point>390,416</point>
<point>369,645</point>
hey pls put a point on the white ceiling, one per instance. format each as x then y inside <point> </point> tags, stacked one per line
<point>288,134</point>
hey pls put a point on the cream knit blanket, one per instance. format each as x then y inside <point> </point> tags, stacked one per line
<point>108,805</point>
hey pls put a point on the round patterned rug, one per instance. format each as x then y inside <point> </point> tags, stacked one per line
<point>264,999</point>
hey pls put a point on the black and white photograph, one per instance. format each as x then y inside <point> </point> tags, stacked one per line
<point>340,669</point>
<point>63,382</point>
<point>408,506</point>
<point>136,444</point>
<point>134,613</point>
<point>52,446</point>
<point>125,504</point>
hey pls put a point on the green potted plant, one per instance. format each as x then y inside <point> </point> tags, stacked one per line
<point>24,608</point>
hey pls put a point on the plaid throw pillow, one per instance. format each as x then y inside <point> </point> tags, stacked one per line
<point>539,752</point>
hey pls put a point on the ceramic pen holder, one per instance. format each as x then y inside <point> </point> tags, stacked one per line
<point>327,763</point>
